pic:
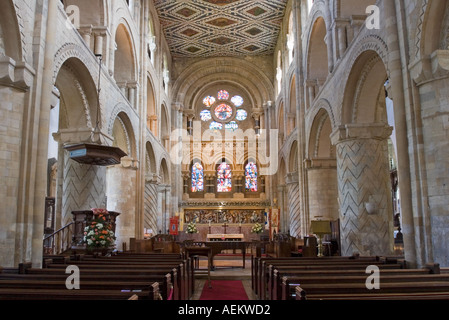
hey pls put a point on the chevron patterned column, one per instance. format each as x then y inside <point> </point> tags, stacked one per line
<point>293,204</point>
<point>150,204</point>
<point>83,188</point>
<point>366,216</point>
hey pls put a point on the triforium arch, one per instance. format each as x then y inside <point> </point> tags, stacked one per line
<point>317,62</point>
<point>125,62</point>
<point>366,216</point>
<point>10,33</point>
<point>152,118</point>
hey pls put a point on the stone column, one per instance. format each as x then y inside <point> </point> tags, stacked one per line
<point>284,219</point>
<point>122,195</point>
<point>322,188</point>
<point>150,203</point>
<point>366,217</point>
<point>294,209</point>
<point>167,207</point>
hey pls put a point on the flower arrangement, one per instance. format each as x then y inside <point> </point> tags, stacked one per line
<point>191,228</point>
<point>99,234</point>
<point>257,228</point>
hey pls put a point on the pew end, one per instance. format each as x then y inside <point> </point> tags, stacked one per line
<point>300,294</point>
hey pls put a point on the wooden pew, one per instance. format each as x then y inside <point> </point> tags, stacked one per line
<point>185,272</point>
<point>338,284</point>
<point>259,264</point>
<point>58,294</point>
<point>400,290</point>
<point>264,276</point>
<point>146,289</point>
<point>168,278</point>
<point>163,278</point>
<point>278,275</point>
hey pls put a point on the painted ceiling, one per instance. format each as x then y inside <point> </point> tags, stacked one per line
<point>206,28</point>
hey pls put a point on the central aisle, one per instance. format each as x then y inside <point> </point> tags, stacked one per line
<point>229,280</point>
<point>224,290</point>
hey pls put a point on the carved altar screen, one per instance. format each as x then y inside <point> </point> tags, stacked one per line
<point>206,216</point>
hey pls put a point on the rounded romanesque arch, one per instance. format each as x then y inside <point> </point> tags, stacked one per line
<point>321,169</point>
<point>362,158</point>
<point>199,74</point>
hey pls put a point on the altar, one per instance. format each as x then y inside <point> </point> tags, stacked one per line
<point>225,237</point>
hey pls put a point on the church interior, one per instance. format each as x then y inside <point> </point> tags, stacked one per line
<point>194,136</point>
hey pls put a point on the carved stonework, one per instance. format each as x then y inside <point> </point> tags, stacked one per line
<point>363,178</point>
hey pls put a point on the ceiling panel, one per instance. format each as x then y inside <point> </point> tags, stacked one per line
<point>206,28</point>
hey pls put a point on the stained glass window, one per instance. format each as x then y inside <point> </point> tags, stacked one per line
<point>224,178</point>
<point>251,177</point>
<point>208,101</point>
<point>237,101</point>
<point>215,126</point>
<point>241,115</point>
<point>197,177</point>
<point>223,95</point>
<point>223,112</point>
<point>232,126</point>
<point>205,115</point>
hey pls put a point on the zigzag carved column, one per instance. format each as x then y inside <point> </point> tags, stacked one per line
<point>150,203</point>
<point>83,188</point>
<point>293,201</point>
<point>363,180</point>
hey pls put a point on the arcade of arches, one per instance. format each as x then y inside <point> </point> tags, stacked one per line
<point>228,111</point>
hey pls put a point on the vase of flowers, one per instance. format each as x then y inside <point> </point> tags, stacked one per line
<point>191,228</point>
<point>257,228</point>
<point>98,233</point>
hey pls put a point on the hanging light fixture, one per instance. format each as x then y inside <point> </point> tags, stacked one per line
<point>96,153</point>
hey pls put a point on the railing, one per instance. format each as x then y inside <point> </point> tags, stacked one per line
<point>59,241</point>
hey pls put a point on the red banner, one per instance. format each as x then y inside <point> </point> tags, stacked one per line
<point>174,226</point>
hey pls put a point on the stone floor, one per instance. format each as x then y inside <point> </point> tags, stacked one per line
<point>226,268</point>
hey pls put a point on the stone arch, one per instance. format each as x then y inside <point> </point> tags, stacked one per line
<point>363,170</point>
<point>164,171</point>
<point>165,126</point>
<point>200,73</point>
<point>291,115</point>
<point>150,165</point>
<point>77,94</point>
<point>152,119</point>
<point>317,67</point>
<point>319,142</point>
<point>432,20</point>
<point>125,61</point>
<point>10,33</point>
<point>280,123</point>
<point>123,134</point>
<point>321,169</point>
<point>364,98</point>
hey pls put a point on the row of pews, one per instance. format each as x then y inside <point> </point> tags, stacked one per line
<point>123,276</point>
<point>346,278</point>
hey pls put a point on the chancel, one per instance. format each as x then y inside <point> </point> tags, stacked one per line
<point>277,145</point>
